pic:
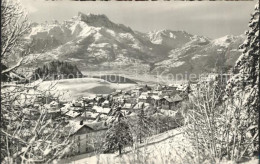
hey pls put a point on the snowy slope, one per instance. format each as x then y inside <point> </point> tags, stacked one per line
<point>168,147</point>
<point>155,150</point>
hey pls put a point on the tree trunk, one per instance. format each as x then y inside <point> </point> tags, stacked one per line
<point>120,149</point>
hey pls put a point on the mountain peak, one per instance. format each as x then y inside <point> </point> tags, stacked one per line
<point>101,20</point>
<point>169,37</point>
<point>89,18</point>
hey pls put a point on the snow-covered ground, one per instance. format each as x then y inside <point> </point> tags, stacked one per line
<point>79,87</point>
<point>167,147</point>
<point>171,147</point>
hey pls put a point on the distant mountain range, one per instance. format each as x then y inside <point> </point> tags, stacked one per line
<point>93,42</point>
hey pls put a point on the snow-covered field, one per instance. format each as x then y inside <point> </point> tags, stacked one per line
<point>75,88</point>
<point>144,78</point>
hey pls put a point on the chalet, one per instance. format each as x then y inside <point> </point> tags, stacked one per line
<point>103,117</point>
<point>90,116</point>
<point>105,104</point>
<point>78,135</point>
<point>72,114</point>
<point>76,104</point>
<point>182,87</point>
<point>172,88</point>
<point>77,109</point>
<point>145,88</point>
<point>100,100</point>
<point>89,106</point>
<point>156,100</point>
<point>145,99</point>
<point>167,102</point>
<point>168,112</point>
<point>119,91</point>
<point>130,100</point>
<point>127,93</point>
<point>137,91</point>
<point>120,99</point>
<point>52,112</point>
<point>87,137</point>
<point>152,93</point>
<point>43,99</point>
<point>114,94</point>
<point>89,99</point>
<point>102,110</point>
<point>65,108</point>
<point>170,102</point>
<point>127,106</point>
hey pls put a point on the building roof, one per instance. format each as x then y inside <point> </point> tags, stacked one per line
<point>177,98</point>
<point>155,97</point>
<point>90,97</point>
<point>99,109</point>
<point>90,115</point>
<point>168,99</point>
<point>74,127</point>
<point>72,114</point>
<point>106,102</point>
<point>54,103</point>
<point>127,105</point>
<point>97,125</point>
<point>143,97</point>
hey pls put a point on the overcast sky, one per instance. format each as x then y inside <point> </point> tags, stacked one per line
<point>211,19</point>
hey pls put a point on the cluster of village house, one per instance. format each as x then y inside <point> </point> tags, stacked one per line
<point>86,117</point>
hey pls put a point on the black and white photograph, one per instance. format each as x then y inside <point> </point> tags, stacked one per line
<point>155,82</point>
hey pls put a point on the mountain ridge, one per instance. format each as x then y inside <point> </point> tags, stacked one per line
<point>94,42</point>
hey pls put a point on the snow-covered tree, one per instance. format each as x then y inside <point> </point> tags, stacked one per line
<point>14,26</point>
<point>143,126</point>
<point>28,134</point>
<point>118,135</point>
<point>243,88</point>
<point>226,129</point>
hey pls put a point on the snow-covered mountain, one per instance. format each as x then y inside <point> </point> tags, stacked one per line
<point>94,42</point>
<point>195,57</point>
<point>174,39</point>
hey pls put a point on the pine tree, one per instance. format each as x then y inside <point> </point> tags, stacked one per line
<point>243,87</point>
<point>144,125</point>
<point>118,135</point>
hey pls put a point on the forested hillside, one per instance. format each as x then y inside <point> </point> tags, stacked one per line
<point>57,70</point>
